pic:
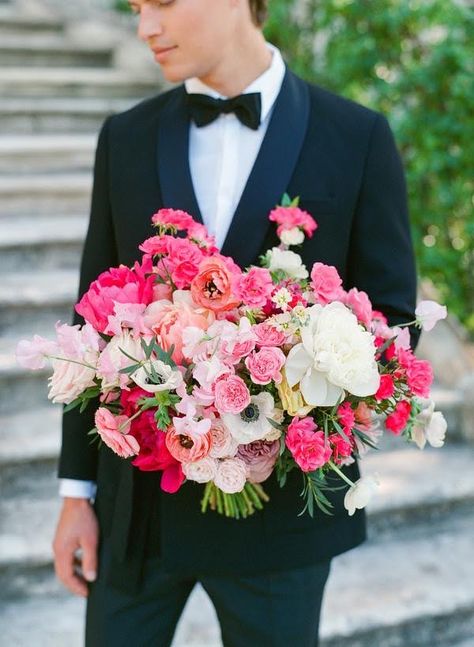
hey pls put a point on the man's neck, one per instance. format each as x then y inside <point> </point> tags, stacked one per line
<point>241,66</point>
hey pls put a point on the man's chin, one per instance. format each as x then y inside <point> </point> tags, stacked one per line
<point>174,75</point>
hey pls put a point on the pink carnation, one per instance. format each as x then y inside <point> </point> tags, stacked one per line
<point>291,217</point>
<point>114,432</point>
<point>340,448</point>
<point>231,395</point>
<point>420,377</point>
<point>346,417</point>
<point>265,365</point>
<point>397,420</point>
<point>308,447</point>
<point>180,220</point>
<point>386,388</point>
<point>326,283</point>
<point>360,304</point>
<point>268,335</point>
<point>254,287</point>
<point>119,284</point>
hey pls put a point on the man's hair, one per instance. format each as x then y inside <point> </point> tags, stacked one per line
<point>259,11</point>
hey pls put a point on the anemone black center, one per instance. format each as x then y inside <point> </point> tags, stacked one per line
<point>250,413</point>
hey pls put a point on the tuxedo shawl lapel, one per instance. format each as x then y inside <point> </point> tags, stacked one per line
<point>271,172</point>
<point>174,173</point>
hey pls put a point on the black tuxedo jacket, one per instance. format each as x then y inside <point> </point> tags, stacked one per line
<point>341,159</point>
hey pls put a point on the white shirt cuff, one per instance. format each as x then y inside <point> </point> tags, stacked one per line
<point>77,489</point>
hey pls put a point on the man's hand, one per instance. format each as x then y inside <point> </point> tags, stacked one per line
<point>77,532</point>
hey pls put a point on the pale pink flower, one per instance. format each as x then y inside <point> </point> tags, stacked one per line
<point>237,341</point>
<point>114,432</point>
<point>231,475</point>
<point>326,283</point>
<point>201,471</point>
<point>33,354</point>
<point>265,365</point>
<point>402,339</point>
<point>360,304</point>
<point>127,315</point>
<point>223,443</point>
<point>260,458</point>
<point>268,335</point>
<point>428,313</point>
<point>207,373</point>
<point>254,287</point>
<point>231,395</point>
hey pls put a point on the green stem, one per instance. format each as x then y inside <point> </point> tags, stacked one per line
<point>73,361</point>
<point>207,496</point>
<point>341,473</point>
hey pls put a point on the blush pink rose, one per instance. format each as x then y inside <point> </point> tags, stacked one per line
<point>231,395</point>
<point>268,335</point>
<point>308,447</point>
<point>265,365</point>
<point>114,432</point>
<point>119,284</point>
<point>397,421</point>
<point>386,388</point>
<point>260,458</point>
<point>212,288</point>
<point>189,440</point>
<point>254,287</point>
<point>326,283</point>
<point>360,304</point>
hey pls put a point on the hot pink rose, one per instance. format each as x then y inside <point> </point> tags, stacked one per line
<point>231,395</point>
<point>254,287</point>
<point>397,420</point>
<point>189,440</point>
<point>307,446</point>
<point>386,388</point>
<point>265,365</point>
<point>212,288</point>
<point>156,245</point>
<point>326,283</point>
<point>268,335</point>
<point>290,217</point>
<point>186,257</point>
<point>114,432</point>
<point>175,218</point>
<point>360,304</point>
<point>260,458</point>
<point>119,284</point>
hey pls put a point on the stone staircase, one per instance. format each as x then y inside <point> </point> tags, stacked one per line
<point>410,585</point>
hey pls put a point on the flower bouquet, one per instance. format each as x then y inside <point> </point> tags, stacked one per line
<point>213,374</point>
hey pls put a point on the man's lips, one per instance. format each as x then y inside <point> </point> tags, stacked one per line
<point>160,52</point>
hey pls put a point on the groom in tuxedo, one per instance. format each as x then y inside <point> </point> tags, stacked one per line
<point>238,132</point>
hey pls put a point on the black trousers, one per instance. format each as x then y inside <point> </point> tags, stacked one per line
<point>275,609</point>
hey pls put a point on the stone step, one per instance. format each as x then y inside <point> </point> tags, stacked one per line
<point>74,82</point>
<point>47,243</point>
<point>57,114</point>
<point>30,437</point>
<point>40,50</point>
<point>14,23</point>
<point>46,153</point>
<point>45,193</point>
<point>404,592</point>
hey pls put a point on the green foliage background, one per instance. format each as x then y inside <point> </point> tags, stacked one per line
<point>413,60</point>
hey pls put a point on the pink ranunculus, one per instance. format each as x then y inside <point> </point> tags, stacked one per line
<point>212,288</point>
<point>420,377</point>
<point>326,283</point>
<point>119,284</point>
<point>397,421</point>
<point>33,354</point>
<point>308,447</point>
<point>168,320</point>
<point>114,432</point>
<point>254,287</point>
<point>260,458</point>
<point>360,304</point>
<point>189,440</point>
<point>386,388</point>
<point>265,365</point>
<point>175,218</point>
<point>268,335</point>
<point>290,217</point>
<point>231,395</point>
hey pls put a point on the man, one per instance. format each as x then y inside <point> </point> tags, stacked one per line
<point>227,163</point>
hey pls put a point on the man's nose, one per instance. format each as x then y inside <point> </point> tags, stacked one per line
<point>149,24</point>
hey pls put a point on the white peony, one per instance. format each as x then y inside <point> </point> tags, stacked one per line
<point>294,236</point>
<point>336,354</point>
<point>252,423</point>
<point>231,475</point>
<point>201,471</point>
<point>287,261</point>
<point>168,379</point>
<point>360,494</point>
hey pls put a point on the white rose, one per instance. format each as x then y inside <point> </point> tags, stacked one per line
<point>336,354</point>
<point>360,494</point>
<point>287,261</point>
<point>292,236</point>
<point>70,379</point>
<point>169,379</point>
<point>201,471</point>
<point>231,475</point>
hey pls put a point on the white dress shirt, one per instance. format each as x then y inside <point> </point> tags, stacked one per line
<point>221,158</point>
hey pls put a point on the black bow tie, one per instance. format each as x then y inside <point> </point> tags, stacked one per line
<point>204,109</point>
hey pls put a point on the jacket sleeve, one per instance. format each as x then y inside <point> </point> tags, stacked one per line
<point>78,456</point>
<point>381,260</point>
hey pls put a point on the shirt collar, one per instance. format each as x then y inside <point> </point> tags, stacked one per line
<point>268,84</point>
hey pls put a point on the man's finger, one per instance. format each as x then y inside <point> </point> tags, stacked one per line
<point>64,567</point>
<point>89,560</point>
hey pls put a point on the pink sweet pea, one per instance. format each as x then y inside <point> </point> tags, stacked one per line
<point>114,432</point>
<point>265,365</point>
<point>307,446</point>
<point>33,354</point>
<point>428,313</point>
<point>326,283</point>
<point>254,287</point>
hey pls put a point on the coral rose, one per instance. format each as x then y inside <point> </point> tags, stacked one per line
<point>212,288</point>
